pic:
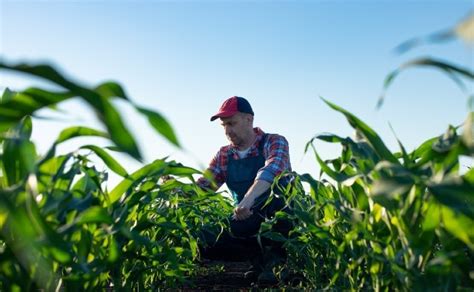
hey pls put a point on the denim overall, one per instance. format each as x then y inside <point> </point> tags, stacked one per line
<point>241,173</point>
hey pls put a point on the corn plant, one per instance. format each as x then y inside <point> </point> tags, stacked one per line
<point>378,220</point>
<point>389,220</point>
<point>60,227</point>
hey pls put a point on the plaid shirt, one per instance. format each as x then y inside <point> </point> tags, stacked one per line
<point>275,151</point>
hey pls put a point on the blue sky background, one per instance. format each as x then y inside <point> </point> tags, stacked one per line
<point>184,58</point>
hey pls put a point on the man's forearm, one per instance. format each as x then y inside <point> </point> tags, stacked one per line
<point>243,210</point>
<point>257,188</point>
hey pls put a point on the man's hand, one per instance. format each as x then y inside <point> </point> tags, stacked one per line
<point>242,211</point>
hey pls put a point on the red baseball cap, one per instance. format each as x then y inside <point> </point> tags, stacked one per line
<point>232,106</point>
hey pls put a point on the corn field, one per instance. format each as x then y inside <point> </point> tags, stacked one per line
<point>373,219</point>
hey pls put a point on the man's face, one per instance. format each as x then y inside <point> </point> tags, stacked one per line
<point>238,128</point>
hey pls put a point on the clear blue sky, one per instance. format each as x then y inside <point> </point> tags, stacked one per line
<point>184,58</point>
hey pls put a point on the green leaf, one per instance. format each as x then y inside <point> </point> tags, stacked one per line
<point>161,125</point>
<point>46,97</point>
<point>73,132</point>
<point>24,129</point>
<point>20,235</point>
<point>94,214</point>
<point>337,176</point>
<point>375,268</point>
<point>106,112</point>
<point>107,159</point>
<point>469,176</point>
<point>15,106</point>
<point>111,89</point>
<point>367,158</point>
<point>456,193</point>
<point>27,156</point>
<point>388,191</point>
<point>423,149</point>
<point>331,138</point>
<point>458,225</point>
<point>180,170</point>
<point>136,177</point>
<point>468,133</point>
<point>275,236</point>
<point>49,73</point>
<point>406,160</point>
<point>118,132</point>
<point>439,36</point>
<point>44,71</point>
<point>370,135</point>
<point>114,252</point>
<point>432,217</point>
<point>441,65</point>
<point>32,99</point>
<point>7,95</point>
<point>19,154</point>
<point>453,71</point>
<point>306,177</point>
<point>447,141</point>
<point>60,255</point>
<point>114,148</point>
<point>70,133</point>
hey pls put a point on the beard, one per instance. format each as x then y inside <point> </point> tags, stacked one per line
<point>235,141</point>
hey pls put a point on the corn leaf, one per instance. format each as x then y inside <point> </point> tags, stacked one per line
<point>107,159</point>
<point>370,135</point>
<point>95,214</point>
<point>456,193</point>
<point>111,89</point>
<point>134,178</point>
<point>454,72</point>
<point>161,125</point>
<point>106,112</point>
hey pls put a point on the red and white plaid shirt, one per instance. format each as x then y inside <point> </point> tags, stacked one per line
<point>275,152</point>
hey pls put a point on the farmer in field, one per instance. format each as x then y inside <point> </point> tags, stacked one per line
<point>248,166</point>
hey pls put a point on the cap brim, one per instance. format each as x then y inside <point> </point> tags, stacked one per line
<point>223,115</point>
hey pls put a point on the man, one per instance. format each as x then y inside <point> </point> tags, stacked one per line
<point>248,166</point>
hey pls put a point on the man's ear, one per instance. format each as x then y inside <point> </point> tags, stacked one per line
<point>250,118</point>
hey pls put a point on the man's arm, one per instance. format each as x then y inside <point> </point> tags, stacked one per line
<point>277,160</point>
<point>242,211</point>
<point>214,175</point>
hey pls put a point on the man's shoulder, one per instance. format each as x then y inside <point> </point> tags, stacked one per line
<point>224,149</point>
<point>270,137</point>
<point>260,132</point>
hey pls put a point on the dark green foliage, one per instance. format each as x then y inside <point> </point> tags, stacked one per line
<point>384,225</point>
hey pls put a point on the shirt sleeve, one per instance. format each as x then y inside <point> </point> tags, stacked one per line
<point>277,158</point>
<point>214,175</point>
